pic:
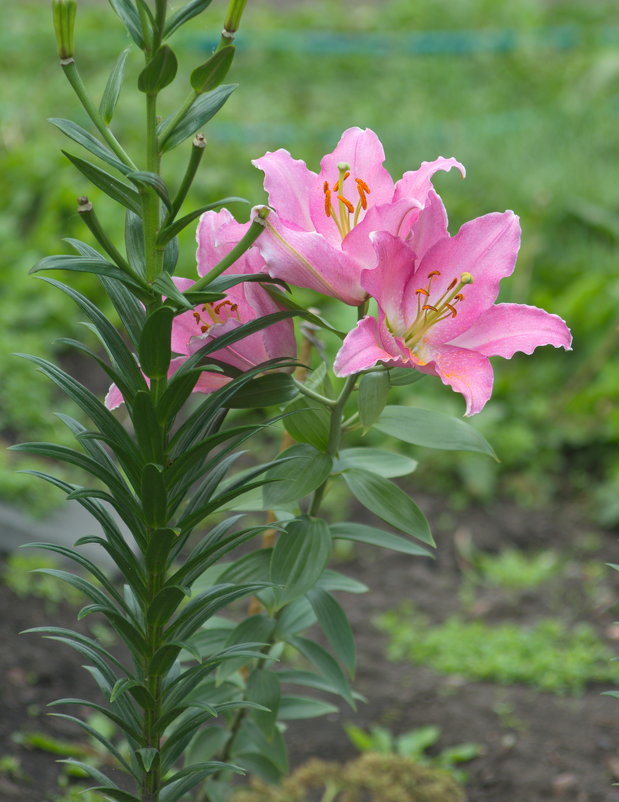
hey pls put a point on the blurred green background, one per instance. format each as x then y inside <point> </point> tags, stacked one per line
<point>525,94</point>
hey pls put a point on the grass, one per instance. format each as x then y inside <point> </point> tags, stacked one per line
<point>525,95</point>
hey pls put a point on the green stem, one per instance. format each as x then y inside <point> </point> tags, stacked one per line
<point>335,436</point>
<point>87,213</point>
<point>153,255</point>
<point>305,390</point>
<point>70,70</point>
<point>253,232</point>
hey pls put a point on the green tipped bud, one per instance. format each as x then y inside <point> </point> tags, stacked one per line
<point>63,12</point>
<point>233,18</point>
<point>466,278</point>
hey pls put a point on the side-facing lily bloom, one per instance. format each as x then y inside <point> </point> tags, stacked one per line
<point>436,305</point>
<point>319,235</point>
<point>217,234</point>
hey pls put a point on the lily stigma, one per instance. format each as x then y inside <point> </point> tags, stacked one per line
<point>344,209</point>
<point>429,314</point>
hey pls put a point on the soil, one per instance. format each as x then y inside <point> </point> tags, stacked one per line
<point>549,747</point>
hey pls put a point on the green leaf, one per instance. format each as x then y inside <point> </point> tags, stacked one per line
<point>86,264</point>
<point>300,707</point>
<point>163,283</point>
<point>164,605</point>
<point>308,421</point>
<point>423,427</point>
<point>294,618</point>
<point>143,178</point>
<point>115,189</point>
<point>147,756</point>
<point>210,74</point>
<point>155,349</point>
<point>305,469</point>
<point>263,688</point>
<point>115,793</point>
<point>373,392</point>
<point>134,242</point>
<point>299,557</point>
<point>154,495</point>
<point>335,625</point>
<point>326,665</point>
<point>184,14</point>
<point>402,377</point>
<point>375,460</point>
<point>360,533</point>
<point>177,226</point>
<point>88,141</point>
<point>159,72</point>
<point>252,567</point>
<point>334,580</point>
<point>387,501</point>
<point>148,430</point>
<point>261,766</point>
<point>202,110</point>
<point>264,391</point>
<point>128,13</point>
<point>112,89</point>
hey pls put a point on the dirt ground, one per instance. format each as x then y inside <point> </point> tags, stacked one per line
<point>553,747</point>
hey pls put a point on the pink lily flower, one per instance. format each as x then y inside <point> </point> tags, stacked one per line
<point>436,305</point>
<point>319,235</point>
<point>217,234</point>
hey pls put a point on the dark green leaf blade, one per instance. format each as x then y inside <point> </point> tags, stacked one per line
<point>111,93</point>
<point>203,109</point>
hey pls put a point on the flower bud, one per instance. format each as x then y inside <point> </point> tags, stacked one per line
<point>233,17</point>
<point>64,22</point>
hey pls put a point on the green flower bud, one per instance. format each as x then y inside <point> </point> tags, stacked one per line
<point>233,17</point>
<point>64,22</point>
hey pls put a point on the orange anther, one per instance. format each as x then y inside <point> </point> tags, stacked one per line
<point>434,273</point>
<point>346,203</point>
<point>452,309</point>
<point>196,316</point>
<point>325,187</point>
<point>427,306</point>
<point>362,198</point>
<point>452,284</point>
<point>204,328</point>
<point>459,297</point>
<point>234,307</point>
<point>421,291</point>
<point>219,305</point>
<point>363,187</point>
<point>328,203</point>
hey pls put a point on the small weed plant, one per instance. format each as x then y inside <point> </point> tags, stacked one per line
<point>547,655</point>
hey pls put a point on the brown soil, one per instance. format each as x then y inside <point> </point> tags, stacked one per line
<point>549,748</point>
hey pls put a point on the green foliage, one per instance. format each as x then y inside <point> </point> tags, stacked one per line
<point>413,746</point>
<point>22,575</point>
<point>514,570</point>
<point>547,655</point>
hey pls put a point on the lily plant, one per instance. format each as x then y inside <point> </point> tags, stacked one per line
<point>206,603</point>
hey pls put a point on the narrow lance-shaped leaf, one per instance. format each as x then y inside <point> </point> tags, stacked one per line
<point>299,557</point>
<point>373,392</point>
<point>128,13</point>
<point>111,93</point>
<point>116,189</point>
<point>88,141</point>
<point>155,350</point>
<point>203,109</point>
<point>389,502</point>
<point>184,14</point>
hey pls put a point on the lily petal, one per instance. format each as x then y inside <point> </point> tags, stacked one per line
<point>365,346</point>
<point>306,259</point>
<point>467,372</point>
<point>507,328</point>
<point>417,183</point>
<point>289,184</point>
<point>362,150</point>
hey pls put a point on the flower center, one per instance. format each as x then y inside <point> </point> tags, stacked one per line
<point>430,312</point>
<point>215,313</point>
<point>342,210</point>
